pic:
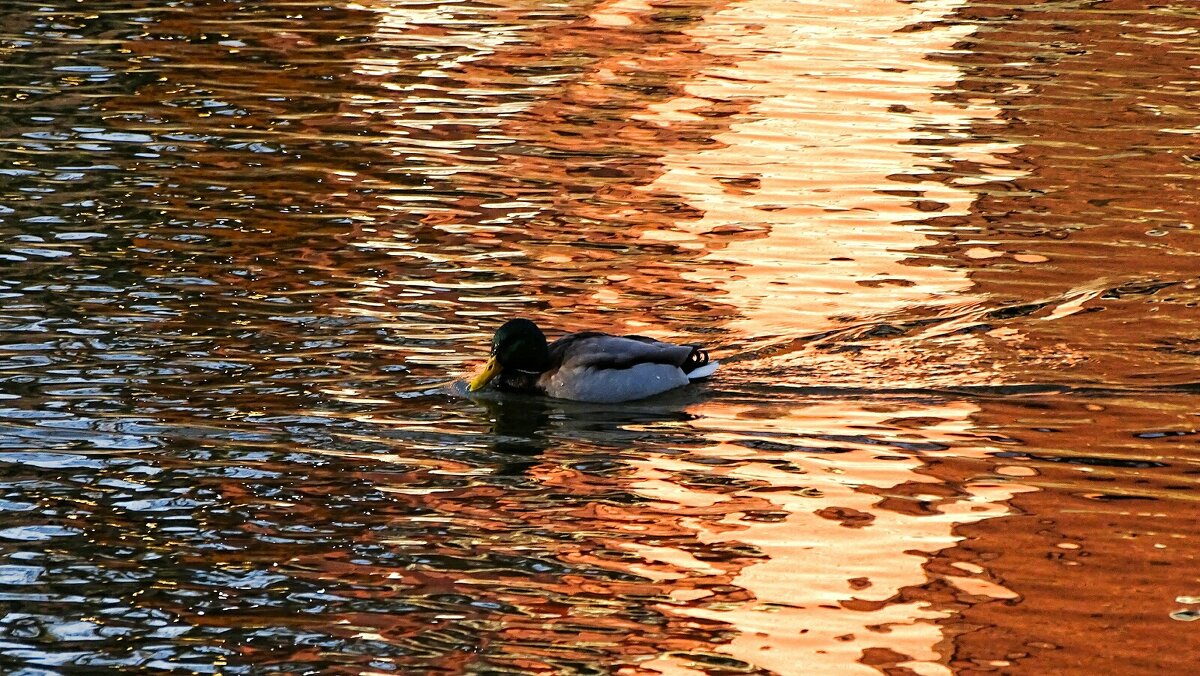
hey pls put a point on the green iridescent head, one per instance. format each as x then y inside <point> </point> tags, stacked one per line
<point>518,345</point>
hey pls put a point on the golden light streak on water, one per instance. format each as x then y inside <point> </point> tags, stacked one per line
<point>803,166</point>
<point>837,547</point>
<point>835,98</point>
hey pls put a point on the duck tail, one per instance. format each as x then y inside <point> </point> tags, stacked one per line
<point>703,371</point>
<point>697,365</point>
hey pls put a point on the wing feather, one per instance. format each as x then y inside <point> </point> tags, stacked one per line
<point>602,351</point>
<point>598,367</point>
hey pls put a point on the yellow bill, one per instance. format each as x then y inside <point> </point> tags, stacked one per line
<point>490,370</point>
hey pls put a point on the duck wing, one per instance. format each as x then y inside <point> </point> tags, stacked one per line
<point>599,367</point>
<point>604,351</point>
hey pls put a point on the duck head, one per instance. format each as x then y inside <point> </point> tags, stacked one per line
<point>519,345</point>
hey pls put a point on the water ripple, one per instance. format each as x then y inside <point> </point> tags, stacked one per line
<point>943,250</point>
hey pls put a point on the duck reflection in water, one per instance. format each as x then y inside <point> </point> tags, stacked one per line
<point>518,422</point>
<point>524,426</point>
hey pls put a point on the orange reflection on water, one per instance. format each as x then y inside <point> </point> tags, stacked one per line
<point>315,235</point>
<point>803,172</point>
<point>843,532</point>
<point>793,219</point>
<point>545,188</point>
<point>835,92</point>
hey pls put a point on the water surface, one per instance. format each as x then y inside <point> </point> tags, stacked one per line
<point>945,250</point>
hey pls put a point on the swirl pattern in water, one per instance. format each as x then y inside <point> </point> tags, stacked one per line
<point>945,250</point>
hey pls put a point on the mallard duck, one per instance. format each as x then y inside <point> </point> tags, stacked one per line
<point>589,366</point>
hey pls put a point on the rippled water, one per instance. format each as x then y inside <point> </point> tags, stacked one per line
<point>945,249</point>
